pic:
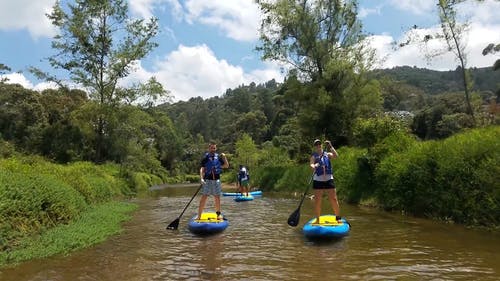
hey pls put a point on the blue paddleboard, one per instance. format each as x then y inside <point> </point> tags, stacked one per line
<point>207,224</point>
<point>242,198</point>
<point>253,193</point>
<point>328,228</point>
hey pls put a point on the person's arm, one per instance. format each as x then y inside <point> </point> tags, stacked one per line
<point>225,163</point>
<point>333,153</point>
<point>202,170</point>
<point>202,174</point>
<point>312,164</point>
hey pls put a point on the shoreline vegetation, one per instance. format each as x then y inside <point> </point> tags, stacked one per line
<point>49,208</point>
<point>94,226</point>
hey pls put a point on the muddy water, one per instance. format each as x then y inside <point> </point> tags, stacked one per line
<point>259,245</point>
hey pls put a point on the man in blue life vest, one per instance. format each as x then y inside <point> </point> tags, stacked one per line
<point>243,180</point>
<point>210,169</point>
<point>323,177</point>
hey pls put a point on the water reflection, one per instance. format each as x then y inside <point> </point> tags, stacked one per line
<point>259,245</point>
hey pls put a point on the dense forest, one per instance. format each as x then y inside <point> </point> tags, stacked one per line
<point>53,123</point>
<point>434,82</point>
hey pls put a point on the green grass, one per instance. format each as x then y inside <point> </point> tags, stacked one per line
<point>92,227</point>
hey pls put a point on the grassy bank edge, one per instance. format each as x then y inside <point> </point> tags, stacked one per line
<point>93,226</point>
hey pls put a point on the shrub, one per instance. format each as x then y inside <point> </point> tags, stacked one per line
<point>454,179</point>
<point>30,203</point>
<point>350,175</point>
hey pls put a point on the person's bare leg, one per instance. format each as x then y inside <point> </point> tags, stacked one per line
<point>317,203</point>
<point>203,200</point>
<point>332,196</point>
<point>217,203</point>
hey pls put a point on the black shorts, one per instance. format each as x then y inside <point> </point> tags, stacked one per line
<point>329,184</point>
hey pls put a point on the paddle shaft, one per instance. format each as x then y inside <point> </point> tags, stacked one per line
<point>194,195</point>
<point>305,192</point>
<point>293,219</point>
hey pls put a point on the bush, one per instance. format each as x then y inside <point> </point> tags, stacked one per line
<point>267,177</point>
<point>143,181</point>
<point>454,179</point>
<point>297,177</point>
<point>368,132</point>
<point>6,149</point>
<point>37,195</point>
<point>31,203</point>
<point>351,177</point>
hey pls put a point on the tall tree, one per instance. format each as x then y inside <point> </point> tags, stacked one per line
<point>309,34</point>
<point>453,34</point>
<point>98,45</point>
<point>246,151</point>
<point>323,42</point>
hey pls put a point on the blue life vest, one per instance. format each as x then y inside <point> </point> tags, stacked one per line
<point>213,166</point>
<point>325,167</point>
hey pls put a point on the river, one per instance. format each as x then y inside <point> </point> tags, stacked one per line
<point>259,245</point>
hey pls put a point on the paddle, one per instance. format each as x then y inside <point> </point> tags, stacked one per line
<point>175,224</point>
<point>293,219</point>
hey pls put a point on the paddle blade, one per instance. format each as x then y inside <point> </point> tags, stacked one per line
<point>293,219</point>
<point>174,225</point>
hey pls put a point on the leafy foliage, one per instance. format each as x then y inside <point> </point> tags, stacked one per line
<point>455,179</point>
<point>98,45</point>
<point>36,195</point>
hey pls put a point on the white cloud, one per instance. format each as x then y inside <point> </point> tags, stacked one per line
<point>485,12</point>
<point>17,78</point>
<point>239,19</point>
<point>145,8</point>
<point>195,71</point>
<point>45,85</point>
<point>419,7</point>
<point>364,12</point>
<point>479,36</point>
<point>27,15</point>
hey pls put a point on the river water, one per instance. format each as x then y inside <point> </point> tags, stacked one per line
<point>259,245</point>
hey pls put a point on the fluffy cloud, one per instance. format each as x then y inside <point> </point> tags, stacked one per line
<point>145,8</point>
<point>28,15</point>
<point>17,78</point>
<point>239,19</point>
<point>419,7</point>
<point>363,12</point>
<point>195,71</point>
<point>478,37</point>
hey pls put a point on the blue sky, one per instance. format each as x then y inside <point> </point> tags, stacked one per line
<point>207,47</point>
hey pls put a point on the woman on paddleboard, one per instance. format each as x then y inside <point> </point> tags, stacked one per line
<point>323,176</point>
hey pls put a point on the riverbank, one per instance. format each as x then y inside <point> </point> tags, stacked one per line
<point>94,226</point>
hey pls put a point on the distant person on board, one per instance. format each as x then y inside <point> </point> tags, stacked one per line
<point>323,177</point>
<point>243,180</point>
<point>211,167</point>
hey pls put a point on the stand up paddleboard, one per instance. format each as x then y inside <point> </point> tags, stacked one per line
<point>207,224</point>
<point>327,228</point>
<point>253,193</point>
<point>242,198</point>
